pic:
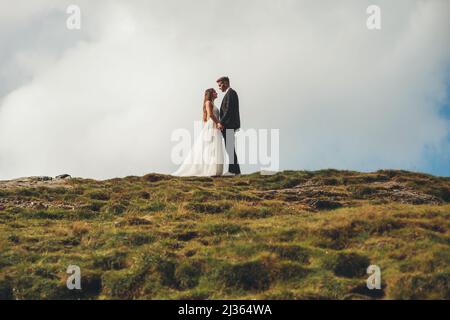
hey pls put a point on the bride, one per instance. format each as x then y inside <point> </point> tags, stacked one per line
<point>206,157</point>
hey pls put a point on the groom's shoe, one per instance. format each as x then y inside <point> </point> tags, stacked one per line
<point>228,174</point>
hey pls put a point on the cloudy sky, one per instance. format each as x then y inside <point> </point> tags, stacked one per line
<point>104,100</point>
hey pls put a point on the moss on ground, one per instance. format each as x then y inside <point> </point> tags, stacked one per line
<point>247,237</point>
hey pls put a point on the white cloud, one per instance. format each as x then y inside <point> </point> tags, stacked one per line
<point>342,96</point>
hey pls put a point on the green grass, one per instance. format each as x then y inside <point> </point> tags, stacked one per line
<point>160,237</point>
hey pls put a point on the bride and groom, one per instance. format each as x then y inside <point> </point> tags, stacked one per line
<point>206,158</point>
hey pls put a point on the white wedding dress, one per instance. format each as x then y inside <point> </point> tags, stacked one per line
<point>206,157</point>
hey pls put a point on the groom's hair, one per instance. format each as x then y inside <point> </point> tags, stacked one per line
<point>223,79</point>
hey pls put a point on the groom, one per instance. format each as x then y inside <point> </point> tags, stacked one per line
<point>229,122</point>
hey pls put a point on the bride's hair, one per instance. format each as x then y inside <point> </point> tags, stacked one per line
<point>208,97</point>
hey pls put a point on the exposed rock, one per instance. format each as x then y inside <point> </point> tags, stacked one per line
<point>413,197</point>
<point>63,176</point>
<point>394,191</point>
<point>44,178</point>
<point>319,196</point>
<point>28,182</point>
<point>305,192</point>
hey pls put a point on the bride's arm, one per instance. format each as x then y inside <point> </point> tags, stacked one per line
<point>210,113</point>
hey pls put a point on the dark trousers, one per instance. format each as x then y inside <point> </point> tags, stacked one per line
<point>231,151</point>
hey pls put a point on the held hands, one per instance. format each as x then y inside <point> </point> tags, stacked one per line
<point>220,126</point>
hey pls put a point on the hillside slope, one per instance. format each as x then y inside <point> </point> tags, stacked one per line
<point>293,235</point>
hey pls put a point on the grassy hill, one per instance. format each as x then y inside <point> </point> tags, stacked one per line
<point>293,235</point>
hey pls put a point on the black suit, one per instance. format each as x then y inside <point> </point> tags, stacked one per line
<point>229,118</point>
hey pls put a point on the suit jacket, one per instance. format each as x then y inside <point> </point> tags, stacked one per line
<point>229,111</point>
